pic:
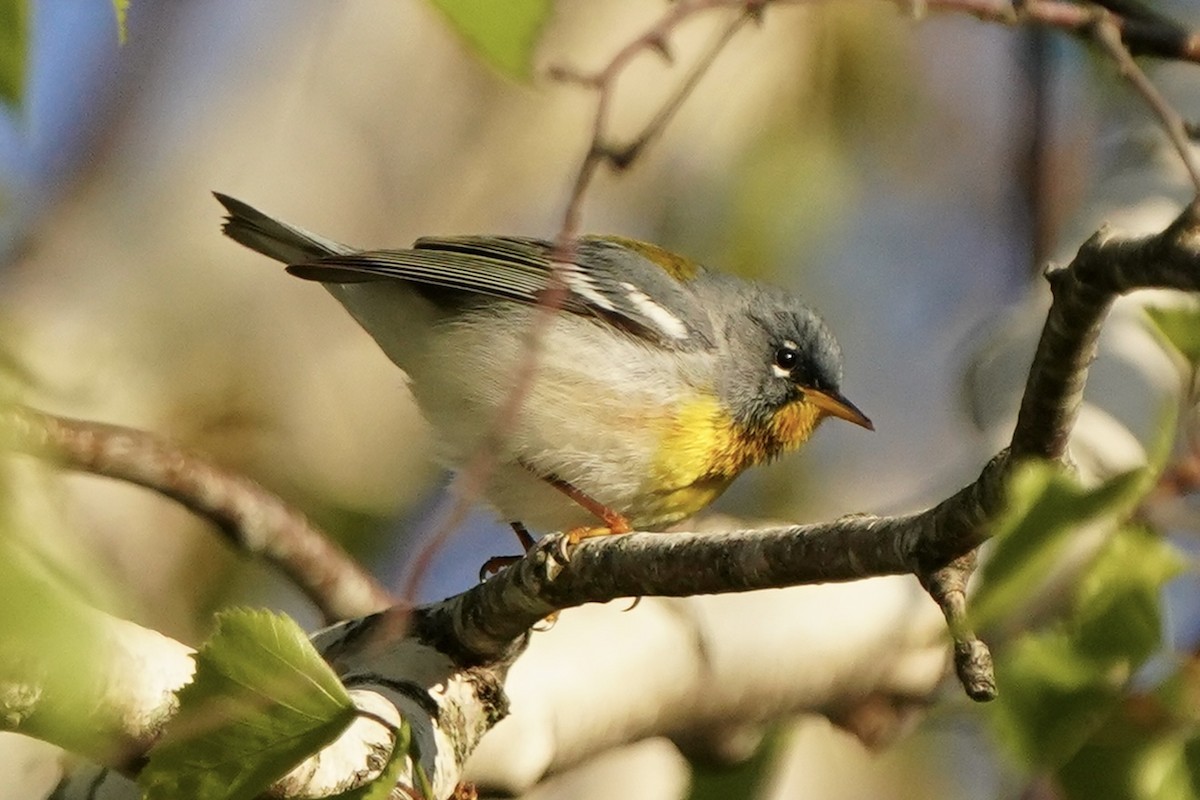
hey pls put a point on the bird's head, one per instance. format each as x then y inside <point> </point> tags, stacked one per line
<point>782,370</point>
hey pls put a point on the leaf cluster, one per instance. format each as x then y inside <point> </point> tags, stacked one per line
<point>1096,700</point>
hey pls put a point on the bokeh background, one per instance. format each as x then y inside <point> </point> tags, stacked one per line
<point>908,177</point>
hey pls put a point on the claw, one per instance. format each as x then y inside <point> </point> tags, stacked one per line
<point>548,622</point>
<point>561,552</point>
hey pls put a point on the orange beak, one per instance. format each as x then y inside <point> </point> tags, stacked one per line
<point>834,405</point>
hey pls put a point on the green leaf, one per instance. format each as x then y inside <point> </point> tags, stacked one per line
<point>381,787</point>
<point>121,9</point>
<point>1046,507</point>
<point>1052,701</point>
<point>503,32</point>
<point>1133,756</point>
<point>262,700</point>
<point>1191,760</point>
<point>1118,613</point>
<point>1178,326</point>
<point>14,50</point>
<point>52,662</point>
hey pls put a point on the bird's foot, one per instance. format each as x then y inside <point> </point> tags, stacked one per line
<point>614,525</point>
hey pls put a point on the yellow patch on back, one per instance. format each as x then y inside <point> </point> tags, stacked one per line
<point>703,450</point>
<point>675,265</point>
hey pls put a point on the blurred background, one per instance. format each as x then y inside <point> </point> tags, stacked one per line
<point>909,178</point>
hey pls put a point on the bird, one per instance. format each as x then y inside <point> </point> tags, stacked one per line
<point>658,381</point>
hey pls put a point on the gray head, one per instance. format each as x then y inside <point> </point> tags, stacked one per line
<point>781,354</point>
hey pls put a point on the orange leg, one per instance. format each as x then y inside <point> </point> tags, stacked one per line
<point>614,521</point>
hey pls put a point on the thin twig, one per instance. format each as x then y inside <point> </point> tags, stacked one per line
<point>1108,34</point>
<point>1143,37</point>
<point>623,157</point>
<point>255,520</point>
<point>603,81</point>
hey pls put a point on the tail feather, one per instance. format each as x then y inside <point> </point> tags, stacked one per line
<point>248,226</point>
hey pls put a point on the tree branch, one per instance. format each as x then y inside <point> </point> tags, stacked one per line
<point>1143,36</point>
<point>253,519</point>
<point>1108,34</point>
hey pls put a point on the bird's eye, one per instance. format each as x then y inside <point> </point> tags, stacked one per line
<point>786,358</point>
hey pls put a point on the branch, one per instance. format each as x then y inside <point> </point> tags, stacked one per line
<point>1106,266</point>
<point>709,671</point>
<point>1144,36</point>
<point>253,519</point>
<point>1108,33</point>
<point>468,641</point>
<point>107,698</point>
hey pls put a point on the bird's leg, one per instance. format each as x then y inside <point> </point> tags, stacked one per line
<point>497,563</point>
<point>523,535</point>
<point>614,521</point>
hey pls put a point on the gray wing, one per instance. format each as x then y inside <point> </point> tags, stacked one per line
<point>606,280</point>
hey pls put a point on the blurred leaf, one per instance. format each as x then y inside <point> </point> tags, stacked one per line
<point>1132,758</point>
<point>1061,687</point>
<point>262,700</point>
<point>51,645</point>
<point>1118,610</point>
<point>1045,508</point>
<point>121,9</point>
<point>1052,699</point>
<point>1179,694</point>
<point>1179,328</point>
<point>381,787</point>
<point>1191,758</point>
<point>14,50</point>
<point>504,34</point>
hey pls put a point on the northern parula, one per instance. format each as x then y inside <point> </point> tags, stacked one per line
<point>657,383</point>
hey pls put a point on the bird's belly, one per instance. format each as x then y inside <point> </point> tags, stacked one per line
<point>654,468</point>
<point>658,509</point>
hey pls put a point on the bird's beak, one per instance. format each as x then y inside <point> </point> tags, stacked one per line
<point>834,405</point>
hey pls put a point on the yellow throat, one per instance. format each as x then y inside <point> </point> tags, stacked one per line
<point>703,450</point>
